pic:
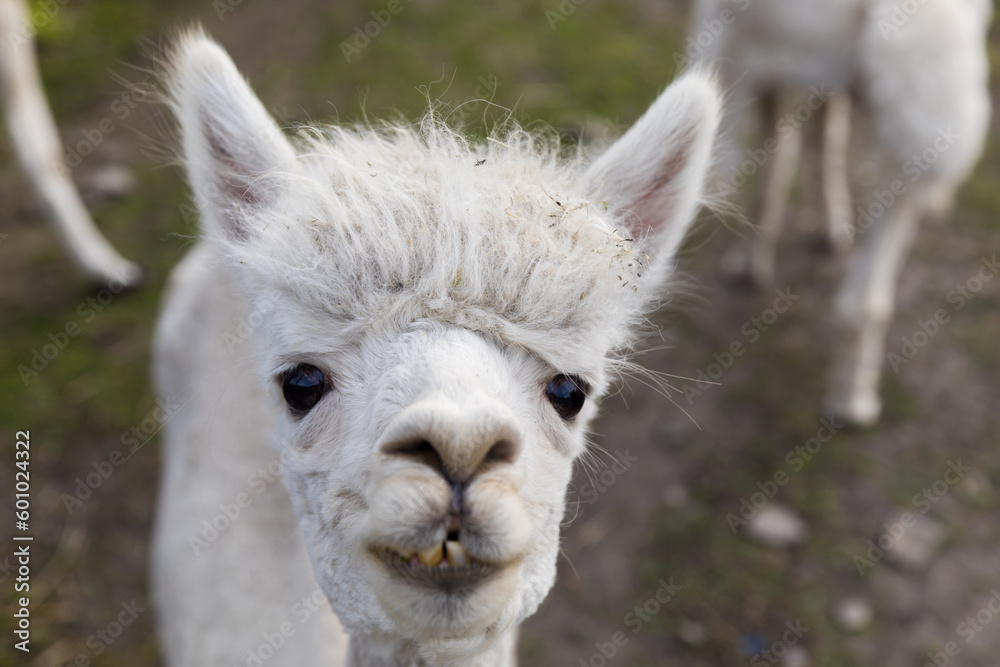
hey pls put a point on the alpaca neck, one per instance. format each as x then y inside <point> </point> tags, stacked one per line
<point>386,651</point>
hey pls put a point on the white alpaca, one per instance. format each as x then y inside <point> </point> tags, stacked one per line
<point>922,79</point>
<point>434,322</point>
<point>36,142</point>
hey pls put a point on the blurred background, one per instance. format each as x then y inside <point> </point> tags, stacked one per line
<point>731,501</point>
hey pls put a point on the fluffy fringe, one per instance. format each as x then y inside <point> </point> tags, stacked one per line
<point>389,224</point>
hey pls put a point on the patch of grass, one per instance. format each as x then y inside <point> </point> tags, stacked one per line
<point>979,339</point>
<point>732,586</point>
<point>897,403</point>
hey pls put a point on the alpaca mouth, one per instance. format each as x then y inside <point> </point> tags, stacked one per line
<point>446,567</point>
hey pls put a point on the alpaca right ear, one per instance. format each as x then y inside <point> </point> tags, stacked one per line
<point>653,178</point>
<point>235,152</point>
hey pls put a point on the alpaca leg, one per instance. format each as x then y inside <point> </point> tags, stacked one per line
<point>779,172</point>
<point>756,263</point>
<point>836,191</point>
<point>865,307</point>
<point>33,134</point>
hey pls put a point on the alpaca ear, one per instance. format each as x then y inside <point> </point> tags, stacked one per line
<point>653,177</point>
<point>235,153</point>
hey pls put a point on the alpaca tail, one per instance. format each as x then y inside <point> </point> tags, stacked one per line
<point>36,142</point>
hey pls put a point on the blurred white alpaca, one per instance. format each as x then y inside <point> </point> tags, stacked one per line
<point>433,323</point>
<point>39,150</point>
<point>919,71</point>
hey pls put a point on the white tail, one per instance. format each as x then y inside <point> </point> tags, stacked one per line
<point>36,142</point>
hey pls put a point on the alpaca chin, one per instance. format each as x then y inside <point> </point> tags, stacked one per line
<point>471,616</point>
<point>459,652</point>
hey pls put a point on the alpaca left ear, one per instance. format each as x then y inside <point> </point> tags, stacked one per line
<point>653,177</point>
<point>235,153</point>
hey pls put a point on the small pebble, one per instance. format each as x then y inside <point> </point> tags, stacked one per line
<point>109,181</point>
<point>796,657</point>
<point>777,526</point>
<point>976,487</point>
<point>853,614</point>
<point>918,544</point>
<point>692,633</point>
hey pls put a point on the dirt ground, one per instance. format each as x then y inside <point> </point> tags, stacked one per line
<point>654,516</point>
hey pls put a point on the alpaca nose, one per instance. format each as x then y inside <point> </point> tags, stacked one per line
<point>458,441</point>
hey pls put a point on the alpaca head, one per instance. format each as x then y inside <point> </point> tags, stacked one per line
<point>441,320</point>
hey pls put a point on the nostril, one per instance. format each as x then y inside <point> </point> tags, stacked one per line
<point>416,447</point>
<point>503,451</point>
<point>419,450</point>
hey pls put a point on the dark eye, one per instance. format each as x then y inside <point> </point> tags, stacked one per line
<point>303,387</point>
<point>567,395</point>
